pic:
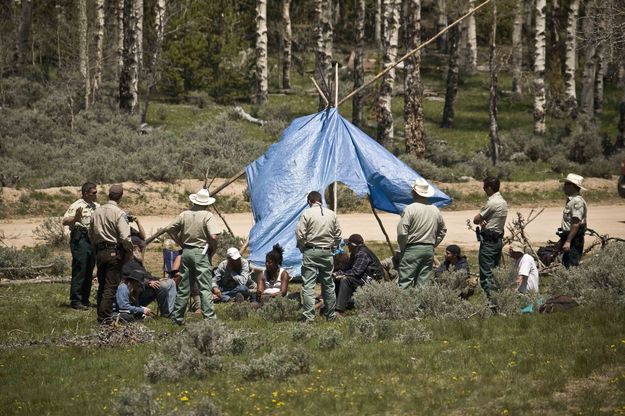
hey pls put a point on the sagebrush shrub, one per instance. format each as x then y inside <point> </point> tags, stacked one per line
<point>279,364</point>
<point>51,231</point>
<point>236,311</point>
<point>442,302</point>
<point>131,402</point>
<point>329,339</point>
<point>370,327</point>
<point>387,300</point>
<point>280,309</point>
<point>414,333</point>
<point>18,263</point>
<point>301,332</point>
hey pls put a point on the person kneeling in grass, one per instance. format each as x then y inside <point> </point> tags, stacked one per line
<point>126,306</point>
<point>274,280</point>
<point>363,267</point>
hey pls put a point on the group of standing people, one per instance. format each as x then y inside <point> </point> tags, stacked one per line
<point>102,236</point>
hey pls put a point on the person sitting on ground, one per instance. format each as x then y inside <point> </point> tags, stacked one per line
<point>163,290</point>
<point>274,280</point>
<point>231,277</point>
<point>126,306</point>
<point>526,270</point>
<point>454,261</point>
<point>363,267</point>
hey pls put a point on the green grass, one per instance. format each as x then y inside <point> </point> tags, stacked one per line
<point>562,363</point>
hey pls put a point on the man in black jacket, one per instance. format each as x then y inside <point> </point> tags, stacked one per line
<point>363,266</point>
<point>454,261</point>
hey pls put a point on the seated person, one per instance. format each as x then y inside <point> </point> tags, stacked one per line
<point>454,261</point>
<point>126,305</point>
<point>231,277</point>
<point>274,280</point>
<point>164,290</point>
<point>363,267</point>
<point>526,270</point>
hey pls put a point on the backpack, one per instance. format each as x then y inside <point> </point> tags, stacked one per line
<point>558,304</point>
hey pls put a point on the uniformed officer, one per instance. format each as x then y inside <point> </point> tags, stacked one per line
<point>573,225</point>
<point>492,220</point>
<point>196,229</point>
<point>318,233</point>
<point>110,235</point>
<point>78,218</point>
<point>419,231</point>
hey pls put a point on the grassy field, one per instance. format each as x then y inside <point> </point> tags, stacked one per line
<point>563,363</point>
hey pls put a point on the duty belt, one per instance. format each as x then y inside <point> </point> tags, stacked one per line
<point>105,245</point>
<point>317,247</point>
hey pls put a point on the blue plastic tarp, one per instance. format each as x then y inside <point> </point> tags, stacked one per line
<point>313,152</point>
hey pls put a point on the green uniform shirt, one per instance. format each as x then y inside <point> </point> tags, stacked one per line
<point>193,227</point>
<point>495,213</point>
<point>420,223</point>
<point>87,212</point>
<point>109,224</point>
<point>318,227</point>
<point>575,207</point>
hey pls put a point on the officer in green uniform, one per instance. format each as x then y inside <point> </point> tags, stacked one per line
<point>492,220</point>
<point>317,234</point>
<point>573,225</point>
<point>196,229</point>
<point>419,231</point>
<point>78,218</point>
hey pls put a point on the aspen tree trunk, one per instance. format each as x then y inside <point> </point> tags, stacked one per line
<point>359,68</point>
<point>82,49</point>
<point>378,23</point>
<point>528,31</point>
<point>600,68</point>
<point>452,80</point>
<point>24,33</point>
<point>261,52</point>
<point>492,107</point>
<point>441,23</point>
<point>471,41</point>
<point>129,73</point>
<point>385,94</point>
<point>586,105</point>
<point>286,44</point>
<point>414,125</point>
<point>59,23</point>
<point>99,38</point>
<point>540,100</point>
<point>120,36</point>
<point>570,62</point>
<point>517,50</point>
<point>160,8</point>
<point>323,52</point>
<point>138,11</point>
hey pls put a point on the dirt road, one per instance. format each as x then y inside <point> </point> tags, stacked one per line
<point>608,219</point>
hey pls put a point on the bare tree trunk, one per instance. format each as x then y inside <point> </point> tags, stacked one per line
<point>540,100</point>
<point>600,68</point>
<point>471,41</point>
<point>378,22</point>
<point>99,38</point>
<point>129,73</point>
<point>452,80</point>
<point>570,62</point>
<point>286,44</point>
<point>492,107</point>
<point>385,94</point>
<point>120,36</point>
<point>441,23</point>
<point>261,52</point>
<point>160,8</point>
<point>359,68</point>
<point>528,31</point>
<point>139,35</point>
<point>323,55</point>
<point>24,33</point>
<point>590,50</point>
<point>60,20</point>
<point>414,125</point>
<point>517,50</point>
<point>82,49</point>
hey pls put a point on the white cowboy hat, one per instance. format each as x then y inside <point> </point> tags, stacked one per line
<point>423,188</point>
<point>202,198</point>
<point>575,180</point>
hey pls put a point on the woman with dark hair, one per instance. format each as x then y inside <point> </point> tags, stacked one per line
<point>363,267</point>
<point>274,280</point>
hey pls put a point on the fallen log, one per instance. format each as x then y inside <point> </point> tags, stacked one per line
<point>34,281</point>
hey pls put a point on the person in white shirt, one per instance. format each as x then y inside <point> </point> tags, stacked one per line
<point>526,270</point>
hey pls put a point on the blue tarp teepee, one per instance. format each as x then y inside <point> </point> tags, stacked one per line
<point>313,152</point>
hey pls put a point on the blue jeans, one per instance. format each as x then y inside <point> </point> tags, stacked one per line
<point>165,296</point>
<point>226,295</point>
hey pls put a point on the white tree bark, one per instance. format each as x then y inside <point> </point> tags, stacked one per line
<point>323,48</point>
<point>160,8</point>
<point>390,40</point>
<point>261,52</point>
<point>540,100</point>
<point>570,62</point>
<point>129,73</point>
<point>586,104</point>
<point>492,107</point>
<point>378,22</point>
<point>414,125</point>
<point>287,38</point>
<point>471,41</point>
<point>82,49</point>
<point>99,39</point>
<point>359,69</point>
<point>138,11</point>
<point>120,35</point>
<point>517,49</point>
<point>441,23</point>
